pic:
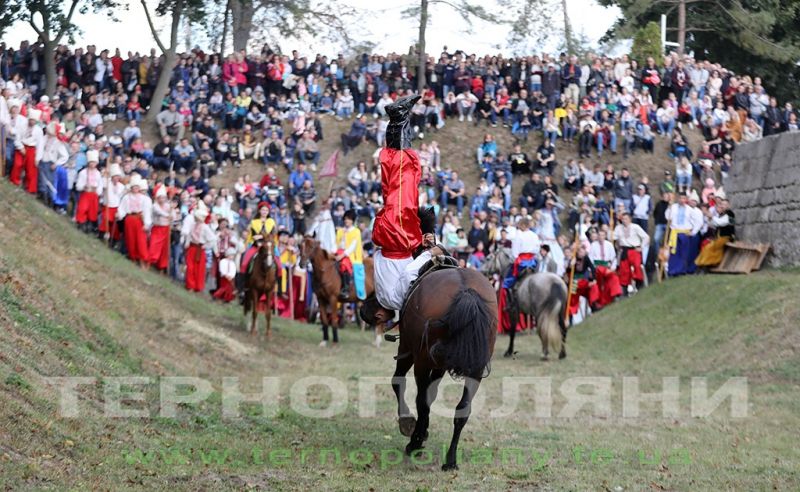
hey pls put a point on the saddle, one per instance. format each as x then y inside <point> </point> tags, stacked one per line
<point>440,262</point>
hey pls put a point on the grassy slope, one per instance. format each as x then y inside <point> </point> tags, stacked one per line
<point>70,307</point>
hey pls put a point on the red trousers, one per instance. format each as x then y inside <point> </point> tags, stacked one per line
<point>632,262</point>
<point>590,292</point>
<point>135,237</point>
<point>195,268</point>
<point>345,265</point>
<point>88,207</point>
<point>225,291</point>
<point>108,222</point>
<point>158,252</point>
<point>28,163</point>
<point>608,283</point>
<point>504,325</point>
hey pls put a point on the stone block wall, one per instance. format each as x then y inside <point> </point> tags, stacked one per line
<point>764,190</point>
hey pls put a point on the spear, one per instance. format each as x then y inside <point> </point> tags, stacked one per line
<point>572,272</point>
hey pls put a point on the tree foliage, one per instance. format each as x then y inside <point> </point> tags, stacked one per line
<point>52,20</point>
<point>270,21</point>
<point>647,43</point>
<point>758,37</point>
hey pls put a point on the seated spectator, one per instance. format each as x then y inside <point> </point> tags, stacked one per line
<point>163,154</point>
<point>486,110</point>
<point>572,176</point>
<point>297,178</point>
<point>453,193</point>
<point>466,103</point>
<point>195,184</point>
<point>307,196</point>
<point>170,122</point>
<point>487,147</point>
<point>307,150</point>
<point>533,193</point>
<point>545,162</point>
<point>606,137</point>
<point>248,145</point>
<point>344,105</point>
<point>356,135</point>
<point>520,164</point>
<point>358,179</point>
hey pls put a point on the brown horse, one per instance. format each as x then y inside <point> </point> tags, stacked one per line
<point>327,284</point>
<point>449,325</point>
<point>261,282</point>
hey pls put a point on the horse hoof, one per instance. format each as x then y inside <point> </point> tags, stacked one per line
<point>449,467</point>
<point>562,355</point>
<point>413,446</point>
<point>508,354</point>
<point>407,425</point>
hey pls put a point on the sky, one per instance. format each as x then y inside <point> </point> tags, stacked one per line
<point>382,24</point>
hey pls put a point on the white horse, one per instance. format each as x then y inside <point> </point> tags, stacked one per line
<point>542,295</point>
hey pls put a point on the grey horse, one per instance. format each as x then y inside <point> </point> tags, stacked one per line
<point>542,295</point>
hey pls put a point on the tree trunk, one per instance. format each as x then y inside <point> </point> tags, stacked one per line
<point>162,86</point>
<point>568,29</point>
<point>681,26</point>
<point>242,12</point>
<point>50,67</point>
<point>423,24</point>
<point>225,20</point>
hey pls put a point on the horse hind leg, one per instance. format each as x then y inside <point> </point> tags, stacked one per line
<point>463,410</point>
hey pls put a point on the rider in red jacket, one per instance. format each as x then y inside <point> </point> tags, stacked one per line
<point>398,228</point>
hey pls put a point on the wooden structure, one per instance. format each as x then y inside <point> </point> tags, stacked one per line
<point>742,257</point>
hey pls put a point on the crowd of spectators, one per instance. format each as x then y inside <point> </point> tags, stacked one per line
<point>269,107</point>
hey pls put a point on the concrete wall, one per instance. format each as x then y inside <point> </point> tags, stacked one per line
<point>764,190</point>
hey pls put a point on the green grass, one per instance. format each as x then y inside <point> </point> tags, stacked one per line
<point>69,307</point>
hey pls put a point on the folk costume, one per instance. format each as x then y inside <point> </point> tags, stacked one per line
<point>725,230</point>
<point>348,244</point>
<point>90,186</point>
<point>196,237</point>
<point>632,240</point>
<point>260,229</point>
<point>135,209</point>
<point>583,285</point>
<point>54,156</point>
<point>227,273</point>
<point>111,198</point>
<point>683,242</point>
<point>29,146</point>
<point>524,247</point>
<point>158,252</point>
<point>397,229</point>
<point>604,259</point>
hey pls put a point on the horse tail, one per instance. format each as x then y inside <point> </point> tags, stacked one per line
<point>465,352</point>
<point>550,321</point>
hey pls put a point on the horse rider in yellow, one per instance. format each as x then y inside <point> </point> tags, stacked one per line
<point>262,228</point>
<point>349,251</point>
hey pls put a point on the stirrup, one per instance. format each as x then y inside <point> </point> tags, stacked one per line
<point>391,338</point>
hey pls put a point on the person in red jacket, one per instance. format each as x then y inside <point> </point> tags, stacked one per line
<point>399,226</point>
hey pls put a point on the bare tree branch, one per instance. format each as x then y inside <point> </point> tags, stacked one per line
<point>153,28</point>
<point>67,23</point>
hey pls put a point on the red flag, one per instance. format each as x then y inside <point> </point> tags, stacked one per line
<point>329,169</point>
